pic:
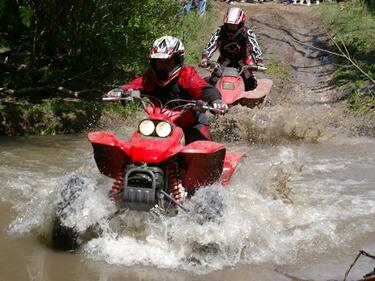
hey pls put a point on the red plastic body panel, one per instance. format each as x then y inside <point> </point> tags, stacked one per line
<point>230,96</point>
<point>111,155</point>
<point>238,94</point>
<point>203,163</point>
<point>153,149</point>
<point>231,161</point>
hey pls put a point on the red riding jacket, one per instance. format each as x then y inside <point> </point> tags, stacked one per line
<point>188,85</point>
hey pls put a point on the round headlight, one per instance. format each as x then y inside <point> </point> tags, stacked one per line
<point>163,129</point>
<point>146,127</point>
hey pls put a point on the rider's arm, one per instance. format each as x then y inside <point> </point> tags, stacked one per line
<point>212,45</point>
<point>197,87</point>
<point>118,93</point>
<point>136,84</point>
<point>254,46</point>
<point>208,93</point>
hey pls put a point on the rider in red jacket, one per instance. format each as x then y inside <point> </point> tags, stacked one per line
<point>169,78</point>
<point>237,45</point>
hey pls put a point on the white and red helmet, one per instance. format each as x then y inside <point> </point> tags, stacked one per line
<point>235,17</point>
<point>167,48</point>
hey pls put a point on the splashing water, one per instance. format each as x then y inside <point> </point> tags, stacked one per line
<point>259,224</point>
<point>91,207</point>
<point>81,204</point>
<point>268,125</point>
<point>288,205</point>
<point>196,241</point>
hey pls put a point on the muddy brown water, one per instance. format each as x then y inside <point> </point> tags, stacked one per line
<point>295,209</point>
<point>300,206</point>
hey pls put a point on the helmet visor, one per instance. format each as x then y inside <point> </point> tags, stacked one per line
<point>163,67</point>
<point>231,27</point>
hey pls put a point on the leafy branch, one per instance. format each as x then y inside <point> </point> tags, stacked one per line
<point>346,54</point>
<point>343,52</point>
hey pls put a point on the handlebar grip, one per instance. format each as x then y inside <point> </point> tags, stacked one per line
<point>262,68</point>
<point>257,67</point>
<point>110,99</point>
<point>116,99</point>
<point>212,109</point>
<point>206,107</point>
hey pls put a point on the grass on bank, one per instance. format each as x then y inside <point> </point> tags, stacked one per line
<point>277,68</point>
<point>354,23</point>
<point>193,30</point>
<point>53,117</point>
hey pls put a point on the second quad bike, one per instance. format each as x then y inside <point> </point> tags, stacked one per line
<point>232,87</point>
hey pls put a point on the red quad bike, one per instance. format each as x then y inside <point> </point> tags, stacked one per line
<point>154,170</point>
<point>155,167</point>
<point>232,87</point>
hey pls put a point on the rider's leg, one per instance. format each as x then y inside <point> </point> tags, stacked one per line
<point>218,72</point>
<point>199,131</point>
<point>248,76</point>
<point>250,83</point>
<point>202,7</point>
<point>187,7</point>
<point>215,76</point>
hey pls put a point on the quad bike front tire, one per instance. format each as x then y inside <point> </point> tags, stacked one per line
<point>64,237</point>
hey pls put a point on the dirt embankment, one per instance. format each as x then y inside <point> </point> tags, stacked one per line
<point>302,75</point>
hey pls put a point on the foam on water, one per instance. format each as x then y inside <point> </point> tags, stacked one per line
<point>284,206</point>
<point>255,228</point>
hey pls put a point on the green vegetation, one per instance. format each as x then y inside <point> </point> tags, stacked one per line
<point>352,26</point>
<point>73,42</point>
<point>363,103</point>
<point>370,4</point>
<point>56,117</point>
<point>277,68</point>
<point>53,51</point>
<point>193,33</point>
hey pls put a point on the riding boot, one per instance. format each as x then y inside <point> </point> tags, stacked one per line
<point>213,80</point>
<point>250,83</point>
<point>215,76</point>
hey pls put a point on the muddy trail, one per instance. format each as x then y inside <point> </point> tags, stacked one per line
<point>286,32</point>
<point>304,103</point>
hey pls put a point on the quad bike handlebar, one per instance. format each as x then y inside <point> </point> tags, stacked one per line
<point>119,94</point>
<point>183,105</point>
<point>214,65</point>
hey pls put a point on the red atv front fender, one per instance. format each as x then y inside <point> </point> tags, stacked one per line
<point>111,155</point>
<point>203,163</point>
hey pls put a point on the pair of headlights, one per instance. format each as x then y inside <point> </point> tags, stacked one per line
<point>148,127</point>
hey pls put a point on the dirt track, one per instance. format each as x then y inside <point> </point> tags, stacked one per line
<point>285,33</point>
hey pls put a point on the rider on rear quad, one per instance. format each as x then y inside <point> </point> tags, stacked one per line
<point>237,46</point>
<point>169,78</point>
